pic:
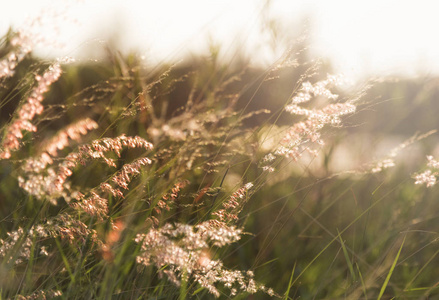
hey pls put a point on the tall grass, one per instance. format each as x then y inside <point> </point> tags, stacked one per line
<point>111,188</point>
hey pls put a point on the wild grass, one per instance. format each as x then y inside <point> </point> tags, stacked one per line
<point>128,182</point>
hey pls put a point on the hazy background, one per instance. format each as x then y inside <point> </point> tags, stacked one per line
<point>369,38</point>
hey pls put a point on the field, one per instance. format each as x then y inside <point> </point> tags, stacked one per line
<point>120,180</point>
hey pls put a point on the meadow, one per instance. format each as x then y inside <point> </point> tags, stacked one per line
<point>205,179</point>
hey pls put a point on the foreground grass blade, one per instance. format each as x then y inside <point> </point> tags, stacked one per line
<point>183,287</point>
<point>383,288</point>
<point>65,260</point>
<point>290,283</point>
<point>362,281</point>
<point>346,255</point>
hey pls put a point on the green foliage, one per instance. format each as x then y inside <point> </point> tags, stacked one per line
<point>303,227</point>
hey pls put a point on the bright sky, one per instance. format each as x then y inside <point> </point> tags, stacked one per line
<point>374,37</point>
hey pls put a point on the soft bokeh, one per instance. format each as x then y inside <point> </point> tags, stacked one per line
<point>360,38</point>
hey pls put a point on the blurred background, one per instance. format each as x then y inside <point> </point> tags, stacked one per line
<point>367,38</point>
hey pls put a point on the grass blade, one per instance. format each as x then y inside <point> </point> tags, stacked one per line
<point>362,281</point>
<point>290,283</point>
<point>390,271</point>
<point>346,255</point>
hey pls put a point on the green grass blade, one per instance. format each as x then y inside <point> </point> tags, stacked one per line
<point>346,255</point>
<point>183,286</point>
<point>362,281</point>
<point>65,260</point>
<point>197,291</point>
<point>390,271</point>
<point>268,262</point>
<point>290,283</point>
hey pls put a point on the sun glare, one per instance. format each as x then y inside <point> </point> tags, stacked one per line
<point>359,38</point>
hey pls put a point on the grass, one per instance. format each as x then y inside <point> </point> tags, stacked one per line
<point>130,182</point>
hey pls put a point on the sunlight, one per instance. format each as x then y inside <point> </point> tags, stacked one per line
<point>377,37</point>
<point>212,149</point>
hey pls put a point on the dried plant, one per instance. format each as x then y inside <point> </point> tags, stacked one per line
<point>71,217</point>
<point>27,112</point>
<point>116,191</point>
<point>198,139</point>
<point>428,177</point>
<point>181,250</point>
